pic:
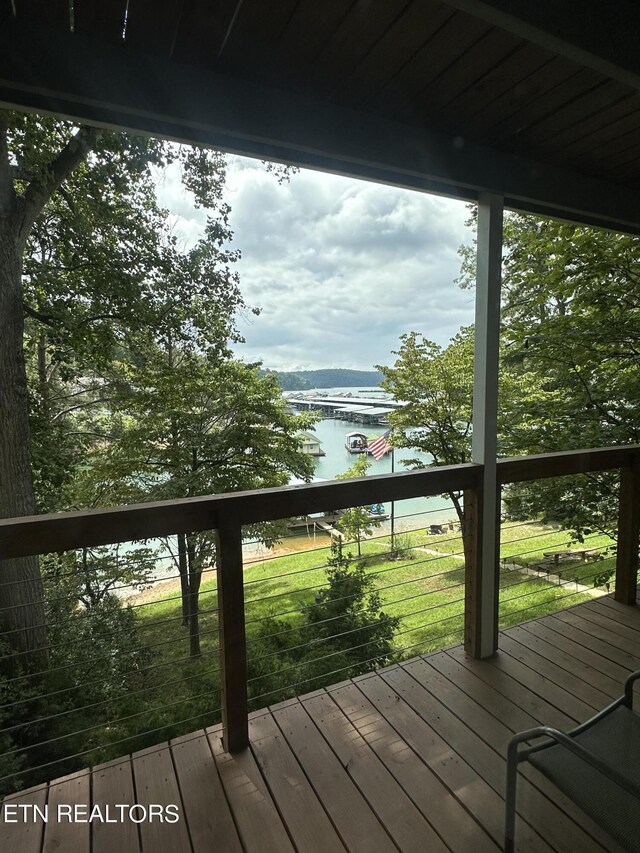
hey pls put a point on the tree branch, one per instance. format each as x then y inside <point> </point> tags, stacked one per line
<point>78,406</point>
<point>42,318</point>
<point>40,191</point>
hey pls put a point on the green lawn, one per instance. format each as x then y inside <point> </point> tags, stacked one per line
<point>425,590</point>
<point>525,544</point>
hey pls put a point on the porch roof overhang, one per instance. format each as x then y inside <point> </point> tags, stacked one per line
<point>535,101</point>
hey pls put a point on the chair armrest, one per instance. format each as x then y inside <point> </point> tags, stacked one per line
<point>628,688</point>
<point>570,744</point>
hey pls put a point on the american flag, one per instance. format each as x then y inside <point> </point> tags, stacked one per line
<point>379,446</point>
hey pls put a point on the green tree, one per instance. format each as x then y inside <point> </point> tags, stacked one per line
<point>571,306</point>
<point>571,314</point>
<point>198,424</point>
<point>80,255</point>
<point>347,615</point>
<point>437,385</point>
<point>356,523</point>
<point>344,633</point>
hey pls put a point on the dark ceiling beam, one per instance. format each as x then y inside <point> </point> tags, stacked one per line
<point>108,85</point>
<point>598,34</point>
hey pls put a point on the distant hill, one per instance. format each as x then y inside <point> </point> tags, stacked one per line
<point>302,380</point>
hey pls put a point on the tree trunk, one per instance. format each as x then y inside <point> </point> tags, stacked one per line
<point>21,592</point>
<point>194,603</point>
<point>184,576</point>
<point>43,385</point>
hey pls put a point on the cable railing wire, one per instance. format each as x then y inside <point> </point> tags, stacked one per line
<point>351,666</point>
<point>67,597</point>
<point>308,625</point>
<point>369,625</point>
<point>110,700</point>
<point>111,744</point>
<point>395,568</point>
<point>507,596</point>
<point>83,685</point>
<point>302,607</point>
<point>326,565</point>
<point>23,749</point>
<point>102,658</point>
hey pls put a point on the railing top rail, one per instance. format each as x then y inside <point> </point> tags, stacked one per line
<point>518,469</point>
<point>42,534</point>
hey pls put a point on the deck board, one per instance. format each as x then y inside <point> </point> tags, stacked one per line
<point>446,813</point>
<point>480,757</point>
<point>408,758</point>
<point>67,835</point>
<point>404,822</point>
<point>539,800</point>
<point>585,692</point>
<point>307,821</point>
<point>358,825</point>
<point>259,824</point>
<point>25,837</point>
<point>207,811</point>
<point>609,674</point>
<point>471,788</point>
<point>156,784</point>
<point>111,784</point>
<point>579,634</point>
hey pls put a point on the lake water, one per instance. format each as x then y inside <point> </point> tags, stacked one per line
<point>331,434</point>
<point>409,514</point>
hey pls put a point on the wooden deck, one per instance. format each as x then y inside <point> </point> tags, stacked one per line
<point>410,758</point>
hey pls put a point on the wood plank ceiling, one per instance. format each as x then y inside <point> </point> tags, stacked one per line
<point>421,62</point>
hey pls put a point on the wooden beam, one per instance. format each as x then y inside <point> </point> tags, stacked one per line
<point>485,420</point>
<point>233,642</point>
<point>628,534</point>
<point>544,465</point>
<point>597,34</point>
<point>110,85</point>
<point>43,534</point>
<point>472,544</point>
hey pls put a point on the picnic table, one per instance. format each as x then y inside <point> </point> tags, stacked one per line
<point>574,553</point>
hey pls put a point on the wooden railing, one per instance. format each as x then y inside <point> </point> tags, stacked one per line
<point>226,514</point>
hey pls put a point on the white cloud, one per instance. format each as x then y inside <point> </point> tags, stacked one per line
<point>339,268</point>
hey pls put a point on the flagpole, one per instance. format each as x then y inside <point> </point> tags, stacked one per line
<point>392,502</point>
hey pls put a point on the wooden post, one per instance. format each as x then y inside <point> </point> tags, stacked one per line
<point>472,544</point>
<point>628,534</point>
<point>485,424</point>
<point>233,645</point>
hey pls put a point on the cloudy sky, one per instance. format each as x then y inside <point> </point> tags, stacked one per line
<point>339,268</point>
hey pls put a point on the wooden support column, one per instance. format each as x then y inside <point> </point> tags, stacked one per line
<point>482,618</point>
<point>472,544</point>
<point>233,644</point>
<point>628,534</point>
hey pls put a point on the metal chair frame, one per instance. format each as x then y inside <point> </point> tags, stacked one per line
<point>516,756</point>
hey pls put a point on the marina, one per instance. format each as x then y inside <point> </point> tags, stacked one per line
<point>344,405</point>
<point>333,433</point>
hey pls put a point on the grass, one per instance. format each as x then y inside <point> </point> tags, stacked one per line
<point>424,590</point>
<point>423,587</point>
